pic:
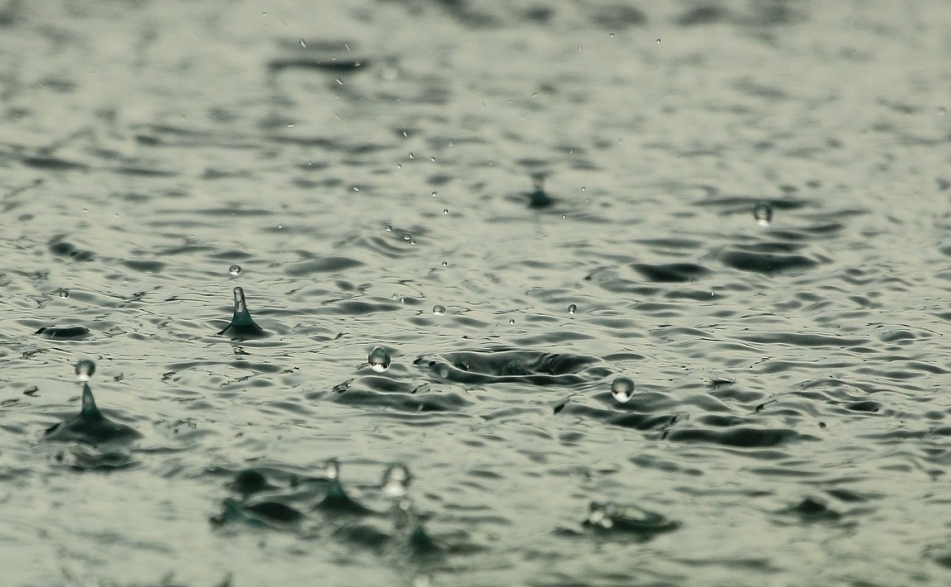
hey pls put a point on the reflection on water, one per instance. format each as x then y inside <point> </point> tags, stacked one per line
<point>465,230</point>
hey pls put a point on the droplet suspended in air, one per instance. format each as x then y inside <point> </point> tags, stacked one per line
<point>85,370</point>
<point>332,469</point>
<point>445,210</point>
<point>512,321</point>
<point>379,359</point>
<point>439,310</point>
<point>242,325</point>
<point>622,389</point>
<point>235,270</point>
<point>572,308</point>
<point>396,480</point>
<point>445,263</point>
<point>763,213</point>
<point>64,293</point>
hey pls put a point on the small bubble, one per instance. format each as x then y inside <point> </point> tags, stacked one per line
<point>379,360</point>
<point>64,293</point>
<point>572,308</point>
<point>235,270</point>
<point>85,369</point>
<point>439,310</point>
<point>280,227</point>
<point>356,188</point>
<point>622,389</point>
<point>763,213</point>
<point>583,188</point>
<point>396,480</point>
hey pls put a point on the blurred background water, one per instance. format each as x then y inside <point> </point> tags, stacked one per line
<point>519,203</point>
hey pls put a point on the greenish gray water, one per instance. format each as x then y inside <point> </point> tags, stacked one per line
<point>443,180</point>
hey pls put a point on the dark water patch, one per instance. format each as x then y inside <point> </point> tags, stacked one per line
<point>333,65</point>
<point>324,265</point>
<point>79,458</point>
<point>867,406</point>
<point>618,16</point>
<point>48,163</point>
<point>703,15</point>
<point>805,340</point>
<point>402,401</point>
<point>64,249</point>
<point>64,332</point>
<point>145,266</point>
<point>351,307</point>
<point>626,521</point>
<point>741,437</point>
<point>766,263</point>
<point>144,171</point>
<point>264,514</point>
<point>813,510</point>
<point>506,365</point>
<point>672,272</point>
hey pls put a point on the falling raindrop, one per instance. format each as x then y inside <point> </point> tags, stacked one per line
<point>85,369</point>
<point>622,389</point>
<point>445,263</point>
<point>763,213</point>
<point>512,321</point>
<point>379,360</point>
<point>64,293</point>
<point>434,194</point>
<point>396,480</point>
<point>445,210</point>
<point>439,310</point>
<point>572,308</point>
<point>235,270</point>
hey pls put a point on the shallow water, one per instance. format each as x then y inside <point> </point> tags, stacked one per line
<point>443,180</point>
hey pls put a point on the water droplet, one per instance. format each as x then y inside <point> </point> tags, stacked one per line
<point>411,155</point>
<point>396,480</point>
<point>235,270</point>
<point>445,263</point>
<point>611,35</point>
<point>64,293</point>
<point>512,321</point>
<point>445,210</point>
<point>85,369</point>
<point>356,188</point>
<point>433,159</point>
<point>407,237</point>
<point>572,308</point>
<point>332,469</point>
<point>658,41</point>
<point>763,213</point>
<point>439,310</point>
<point>622,389</point>
<point>303,44</point>
<point>434,194</point>
<point>389,228</point>
<point>379,360</point>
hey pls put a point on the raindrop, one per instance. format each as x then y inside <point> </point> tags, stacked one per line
<point>512,321</point>
<point>434,194</point>
<point>379,360</point>
<point>396,480</point>
<point>658,41</point>
<point>439,310</point>
<point>85,369</point>
<point>407,237</point>
<point>572,308</point>
<point>411,156</point>
<point>64,293</point>
<point>611,35</point>
<point>303,44</point>
<point>389,228</point>
<point>433,159</point>
<point>235,270</point>
<point>332,469</point>
<point>763,213</point>
<point>445,210</point>
<point>622,389</point>
<point>445,263</point>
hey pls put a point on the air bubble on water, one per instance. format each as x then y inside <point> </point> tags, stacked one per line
<point>572,308</point>
<point>332,469</point>
<point>622,389</point>
<point>235,270</point>
<point>564,216</point>
<point>439,310</point>
<point>396,480</point>
<point>379,360</point>
<point>64,293</point>
<point>583,188</point>
<point>763,213</point>
<point>85,369</point>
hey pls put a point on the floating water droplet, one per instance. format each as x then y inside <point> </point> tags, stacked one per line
<point>64,293</point>
<point>445,210</point>
<point>622,389</point>
<point>658,41</point>
<point>235,270</point>
<point>445,263</point>
<point>389,228</point>
<point>411,156</point>
<point>379,360</point>
<point>433,159</point>
<point>611,35</point>
<point>407,237</point>
<point>439,310</point>
<point>572,308</point>
<point>763,213</point>
<point>512,321</point>
<point>396,480</point>
<point>332,469</point>
<point>434,194</point>
<point>85,369</point>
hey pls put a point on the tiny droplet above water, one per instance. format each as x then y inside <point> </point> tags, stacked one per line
<point>85,369</point>
<point>235,270</point>
<point>622,389</point>
<point>572,308</point>
<point>379,360</point>
<point>396,480</point>
<point>763,213</point>
<point>64,293</point>
<point>658,41</point>
<point>332,469</point>
<point>434,194</point>
<point>512,321</point>
<point>439,310</point>
<point>445,210</point>
<point>445,263</point>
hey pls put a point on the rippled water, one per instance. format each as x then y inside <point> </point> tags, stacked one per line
<point>518,204</point>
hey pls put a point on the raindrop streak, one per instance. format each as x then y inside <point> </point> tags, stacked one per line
<point>234,270</point>
<point>763,213</point>
<point>90,426</point>
<point>622,389</point>
<point>572,308</point>
<point>396,480</point>
<point>242,325</point>
<point>439,310</point>
<point>379,360</point>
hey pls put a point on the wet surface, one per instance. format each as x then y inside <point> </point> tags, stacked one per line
<point>648,294</point>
